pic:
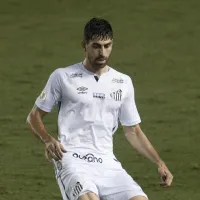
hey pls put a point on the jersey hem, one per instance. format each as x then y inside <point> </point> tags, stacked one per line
<point>131,123</point>
<point>43,107</point>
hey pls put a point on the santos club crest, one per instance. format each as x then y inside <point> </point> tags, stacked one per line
<point>117,96</point>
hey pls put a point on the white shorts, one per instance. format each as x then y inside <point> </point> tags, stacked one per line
<point>78,174</point>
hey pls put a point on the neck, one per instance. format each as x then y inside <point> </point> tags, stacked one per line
<point>97,70</point>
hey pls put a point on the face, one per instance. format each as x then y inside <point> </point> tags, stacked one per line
<point>98,52</point>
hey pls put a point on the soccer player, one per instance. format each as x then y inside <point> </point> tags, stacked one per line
<point>92,97</point>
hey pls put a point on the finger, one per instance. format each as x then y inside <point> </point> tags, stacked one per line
<point>47,155</point>
<point>168,180</point>
<point>163,183</point>
<point>58,151</point>
<point>50,147</point>
<point>161,172</point>
<point>53,150</point>
<point>53,155</point>
<point>62,149</point>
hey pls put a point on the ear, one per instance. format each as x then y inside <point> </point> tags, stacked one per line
<point>83,45</point>
<point>112,42</point>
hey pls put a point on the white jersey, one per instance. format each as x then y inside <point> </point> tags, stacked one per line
<point>89,109</point>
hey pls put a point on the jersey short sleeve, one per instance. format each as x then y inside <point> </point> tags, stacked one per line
<point>51,93</point>
<point>128,114</point>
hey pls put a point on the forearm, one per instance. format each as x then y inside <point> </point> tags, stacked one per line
<point>140,142</point>
<point>37,127</point>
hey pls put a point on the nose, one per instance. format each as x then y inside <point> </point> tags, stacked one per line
<point>102,51</point>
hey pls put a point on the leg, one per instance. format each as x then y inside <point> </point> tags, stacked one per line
<point>75,185</point>
<point>130,190</point>
<point>88,196</point>
<point>138,198</point>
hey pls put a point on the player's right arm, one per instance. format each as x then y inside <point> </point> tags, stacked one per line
<point>44,104</point>
<point>34,121</point>
<point>35,124</point>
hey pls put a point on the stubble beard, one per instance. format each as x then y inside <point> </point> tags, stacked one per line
<point>96,65</point>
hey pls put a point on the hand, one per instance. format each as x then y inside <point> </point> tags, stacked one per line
<point>54,149</point>
<point>166,176</point>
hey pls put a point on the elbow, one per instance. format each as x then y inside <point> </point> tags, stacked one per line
<point>29,119</point>
<point>130,133</point>
<point>132,130</point>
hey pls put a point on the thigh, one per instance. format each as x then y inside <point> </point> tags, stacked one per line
<point>74,184</point>
<point>119,186</point>
<point>126,195</point>
<point>89,196</point>
<point>118,181</point>
<point>139,198</point>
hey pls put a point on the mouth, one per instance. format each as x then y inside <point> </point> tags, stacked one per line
<point>101,59</point>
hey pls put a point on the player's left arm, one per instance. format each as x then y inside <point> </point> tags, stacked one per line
<point>140,143</point>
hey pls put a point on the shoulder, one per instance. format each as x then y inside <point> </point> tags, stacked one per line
<point>71,70</point>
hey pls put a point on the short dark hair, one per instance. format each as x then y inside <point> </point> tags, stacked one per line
<point>98,28</point>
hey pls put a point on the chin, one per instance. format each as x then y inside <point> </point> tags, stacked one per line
<point>100,64</point>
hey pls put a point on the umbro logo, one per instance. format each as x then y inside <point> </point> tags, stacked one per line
<point>117,96</point>
<point>82,90</point>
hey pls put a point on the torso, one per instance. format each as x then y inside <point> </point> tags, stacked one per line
<point>89,109</point>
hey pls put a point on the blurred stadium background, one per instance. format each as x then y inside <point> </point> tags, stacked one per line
<point>156,42</point>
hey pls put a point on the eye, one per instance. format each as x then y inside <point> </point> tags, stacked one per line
<point>95,46</point>
<point>107,45</point>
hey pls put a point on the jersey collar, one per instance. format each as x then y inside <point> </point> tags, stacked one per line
<point>92,73</point>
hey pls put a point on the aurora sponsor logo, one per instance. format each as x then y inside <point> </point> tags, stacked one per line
<point>89,158</point>
<point>117,80</point>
